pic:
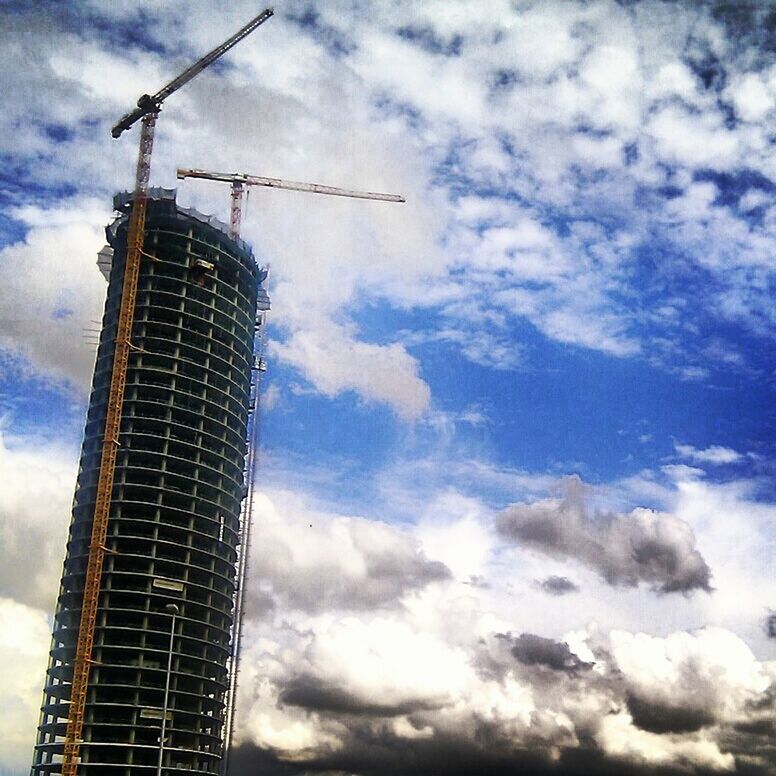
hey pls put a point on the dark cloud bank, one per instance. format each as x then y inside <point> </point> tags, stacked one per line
<point>481,746</point>
<point>373,756</point>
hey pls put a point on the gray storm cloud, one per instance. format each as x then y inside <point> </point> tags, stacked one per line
<point>311,693</point>
<point>643,546</point>
<point>531,649</point>
<point>555,585</point>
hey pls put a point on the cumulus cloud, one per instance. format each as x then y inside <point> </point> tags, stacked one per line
<point>51,291</point>
<point>683,137</point>
<point>511,129</point>
<point>685,682</point>
<point>315,562</point>
<point>538,119</point>
<point>452,530</point>
<point>753,94</point>
<point>643,546</point>
<point>618,702</point>
<point>340,248</point>
<point>444,679</point>
<point>333,361</point>
<point>35,501</point>
<point>363,654</point>
<point>739,543</point>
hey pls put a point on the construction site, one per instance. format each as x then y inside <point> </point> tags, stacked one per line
<point>143,667</point>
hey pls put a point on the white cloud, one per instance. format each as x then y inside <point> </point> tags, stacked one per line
<point>270,398</point>
<point>542,43</point>
<point>444,87</point>
<point>115,77</point>
<point>440,666</point>
<point>453,531</point>
<point>354,628</point>
<point>715,454</point>
<point>24,641</point>
<point>51,291</point>
<point>314,561</point>
<point>599,152</point>
<point>386,661</point>
<point>674,79</point>
<point>752,96</point>
<point>35,501</point>
<point>752,199</point>
<point>334,361</point>
<point>444,669</point>
<point>613,73</point>
<point>711,671</point>
<point>697,141</point>
<point>619,737</point>
<point>564,70</point>
<point>735,534</point>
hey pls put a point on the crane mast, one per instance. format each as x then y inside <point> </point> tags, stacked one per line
<point>97,549</point>
<point>147,111</point>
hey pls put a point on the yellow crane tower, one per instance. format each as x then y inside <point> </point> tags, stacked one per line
<point>147,110</point>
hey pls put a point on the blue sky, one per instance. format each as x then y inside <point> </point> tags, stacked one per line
<point>554,362</point>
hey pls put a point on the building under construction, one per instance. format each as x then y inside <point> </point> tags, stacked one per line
<point>143,669</point>
<point>158,694</point>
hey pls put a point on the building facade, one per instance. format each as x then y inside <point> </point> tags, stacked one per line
<point>174,529</point>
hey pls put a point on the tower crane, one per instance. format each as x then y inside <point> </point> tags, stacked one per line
<point>147,110</point>
<point>239,181</point>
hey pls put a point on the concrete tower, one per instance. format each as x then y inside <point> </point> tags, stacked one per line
<point>169,579</point>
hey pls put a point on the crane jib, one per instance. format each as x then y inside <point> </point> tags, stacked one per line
<point>153,103</point>
<point>241,179</point>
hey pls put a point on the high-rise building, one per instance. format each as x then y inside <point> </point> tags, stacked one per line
<point>166,614</point>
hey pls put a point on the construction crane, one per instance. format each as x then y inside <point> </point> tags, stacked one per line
<point>239,181</point>
<point>148,108</point>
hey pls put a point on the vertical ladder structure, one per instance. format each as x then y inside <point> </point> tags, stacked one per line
<point>254,431</point>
